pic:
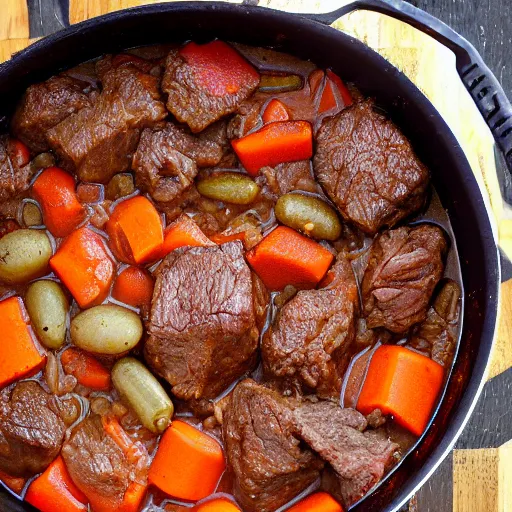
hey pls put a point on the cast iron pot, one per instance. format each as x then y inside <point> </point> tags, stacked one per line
<point>311,37</point>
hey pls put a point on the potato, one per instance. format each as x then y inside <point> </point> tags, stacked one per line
<point>48,308</point>
<point>229,187</point>
<point>24,255</point>
<point>106,329</point>
<point>308,214</point>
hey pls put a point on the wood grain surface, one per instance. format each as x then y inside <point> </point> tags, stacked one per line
<point>477,477</point>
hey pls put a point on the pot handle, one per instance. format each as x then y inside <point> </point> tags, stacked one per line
<point>478,79</point>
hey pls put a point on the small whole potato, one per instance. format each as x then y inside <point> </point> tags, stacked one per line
<point>308,214</point>
<point>106,329</point>
<point>48,308</point>
<point>24,255</point>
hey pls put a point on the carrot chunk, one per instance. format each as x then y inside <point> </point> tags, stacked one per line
<point>402,383</point>
<point>188,463</point>
<point>285,257</point>
<point>216,505</point>
<point>183,232</point>
<point>20,355</point>
<point>54,490</point>
<point>16,484</point>
<point>343,91</point>
<point>133,496</point>
<point>84,266</point>
<point>275,111</point>
<point>329,90</point>
<point>88,370</point>
<point>135,231</point>
<point>218,67</point>
<point>318,502</point>
<point>275,143</point>
<point>134,286</point>
<point>54,189</point>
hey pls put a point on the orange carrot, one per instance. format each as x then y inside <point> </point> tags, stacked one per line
<point>54,189</point>
<point>285,141</point>
<point>134,286</point>
<point>342,88</point>
<point>318,502</point>
<point>135,230</point>
<point>88,371</point>
<point>19,153</point>
<point>328,98</point>
<point>402,383</point>
<point>315,81</point>
<point>54,490</point>
<point>216,505</point>
<point>183,232</point>
<point>218,67</point>
<point>335,94</point>
<point>219,238</point>
<point>20,355</point>
<point>275,111</point>
<point>84,266</point>
<point>188,463</point>
<point>133,496</point>
<point>16,484</point>
<point>286,257</point>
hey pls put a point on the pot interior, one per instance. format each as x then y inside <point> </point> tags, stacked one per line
<point>406,105</point>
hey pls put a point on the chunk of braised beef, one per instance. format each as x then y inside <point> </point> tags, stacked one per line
<point>404,267</point>
<point>358,458</point>
<point>312,335</point>
<point>436,336</point>
<point>14,177</point>
<point>368,168</point>
<point>167,159</point>
<point>99,467</point>
<point>269,464</point>
<point>206,316</point>
<point>31,429</point>
<point>193,103</point>
<point>99,141</point>
<point>44,106</point>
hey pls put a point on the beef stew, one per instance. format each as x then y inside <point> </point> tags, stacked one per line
<point>232,228</point>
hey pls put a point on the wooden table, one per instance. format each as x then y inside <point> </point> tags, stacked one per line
<point>477,476</point>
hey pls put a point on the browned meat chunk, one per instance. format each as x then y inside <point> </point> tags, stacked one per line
<point>98,466</point>
<point>311,337</point>
<point>204,323</point>
<point>14,178</point>
<point>191,102</point>
<point>436,337</point>
<point>270,466</point>
<point>288,177</point>
<point>404,267</point>
<point>368,168</point>
<point>166,160</point>
<point>99,141</point>
<point>31,429</point>
<point>44,106</point>
<point>359,459</point>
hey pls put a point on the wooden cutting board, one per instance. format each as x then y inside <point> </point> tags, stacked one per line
<point>474,478</point>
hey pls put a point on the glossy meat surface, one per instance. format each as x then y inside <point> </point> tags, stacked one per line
<point>368,168</point>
